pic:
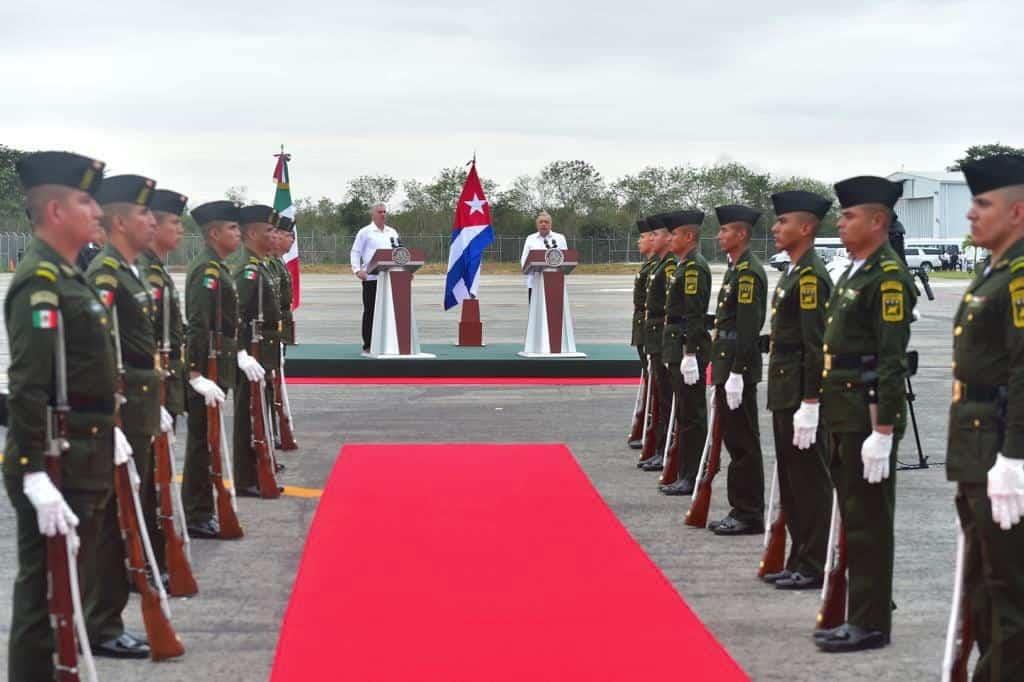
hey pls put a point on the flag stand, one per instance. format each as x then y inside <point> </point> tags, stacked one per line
<point>471,329</point>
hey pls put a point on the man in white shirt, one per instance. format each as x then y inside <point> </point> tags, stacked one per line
<point>374,236</point>
<point>544,238</point>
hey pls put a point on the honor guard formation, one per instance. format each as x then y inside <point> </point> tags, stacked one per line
<point>103,362</point>
<point>106,356</point>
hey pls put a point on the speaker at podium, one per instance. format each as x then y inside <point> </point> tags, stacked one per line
<point>394,332</point>
<point>549,331</point>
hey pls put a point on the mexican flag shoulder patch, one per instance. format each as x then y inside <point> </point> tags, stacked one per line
<point>210,282</point>
<point>44,319</point>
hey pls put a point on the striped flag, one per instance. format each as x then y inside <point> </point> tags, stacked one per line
<point>470,236</point>
<point>283,205</point>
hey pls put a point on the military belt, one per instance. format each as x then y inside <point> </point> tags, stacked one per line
<point>977,393</point>
<point>850,361</point>
<point>91,403</point>
<point>137,360</point>
<point>726,335</point>
<point>676,319</point>
<point>777,347</point>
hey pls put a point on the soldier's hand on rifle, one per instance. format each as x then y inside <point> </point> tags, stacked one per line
<point>874,454</point>
<point>210,391</point>
<point>1006,491</point>
<point>734,390</point>
<point>122,449</point>
<point>52,512</point>
<point>251,366</point>
<point>690,370</point>
<point>805,425</point>
<point>166,422</point>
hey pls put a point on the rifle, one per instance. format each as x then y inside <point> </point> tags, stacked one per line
<point>227,518</point>
<point>650,445</point>
<point>636,428</point>
<point>774,535</point>
<point>832,613</point>
<point>164,642</point>
<point>266,475</point>
<point>670,469</point>
<point>923,276</point>
<point>61,568</point>
<point>284,417</point>
<point>182,582</point>
<point>710,463</point>
<point>958,634</point>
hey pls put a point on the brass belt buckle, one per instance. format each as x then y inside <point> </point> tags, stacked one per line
<point>958,391</point>
<point>828,361</point>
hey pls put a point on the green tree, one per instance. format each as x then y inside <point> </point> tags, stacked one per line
<point>12,203</point>
<point>371,189</point>
<point>983,151</point>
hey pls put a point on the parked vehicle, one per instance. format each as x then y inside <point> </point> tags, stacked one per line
<point>779,261</point>
<point>922,258</point>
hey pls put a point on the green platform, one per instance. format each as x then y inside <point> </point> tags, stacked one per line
<point>494,360</point>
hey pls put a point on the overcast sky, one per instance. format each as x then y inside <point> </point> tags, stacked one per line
<point>200,94</point>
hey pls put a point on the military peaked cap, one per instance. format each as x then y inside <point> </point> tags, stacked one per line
<point>654,222</point>
<point>216,210</point>
<point>995,172</point>
<point>868,189</point>
<point>734,213</point>
<point>126,189</point>
<point>687,217</point>
<point>642,226</point>
<point>60,168</point>
<point>285,223</point>
<point>169,202</point>
<point>257,214</point>
<point>799,200</point>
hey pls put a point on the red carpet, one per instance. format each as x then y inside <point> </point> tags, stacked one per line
<point>481,563</point>
<point>471,381</point>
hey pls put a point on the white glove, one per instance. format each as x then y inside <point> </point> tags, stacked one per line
<point>805,425</point>
<point>734,390</point>
<point>52,512</point>
<point>1006,491</point>
<point>209,390</point>
<point>166,420</point>
<point>251,366</point>
<point>691,373</point>
<point>874,454</point>
<point>122,449</point>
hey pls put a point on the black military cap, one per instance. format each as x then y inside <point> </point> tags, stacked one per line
<point>653,222</point>
<point>211,211</point>
<point>686,217</point>
<point>126,189</point>
<point>734,213</point>
<point>284,223</point>
<point>799,200</point>
<point>60,168</point>
<point>868,189</point>
<point>995,172</point>
<point>168,201</point>
<point>257,214</point>
<point>641,226</point>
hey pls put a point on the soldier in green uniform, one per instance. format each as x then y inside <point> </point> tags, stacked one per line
<point>685,347</point>
<point>167,207</point>
<point>639,299</point>
<point>59,189</point>
<point>211,304</point>
<point>736,369</point>
<point>129,225</point>
<point>986,420</point>
<point>651,457</point>
<point>252,275</point>
<point>863,403</point>
<point>794,384</point>
<point>285,236</point>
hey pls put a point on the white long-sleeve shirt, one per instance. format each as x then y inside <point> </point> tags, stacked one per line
<point>534,242</point>
<point>367,241</point>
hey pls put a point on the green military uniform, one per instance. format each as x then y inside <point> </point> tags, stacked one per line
<point>122,289</point>
<point>251,275</point>
<point>794,375</point>
<point>639,302</point>
<point>654,327</point>
<point>738,320</point>
<point>986,418</point>
<point>159,282</point>
<point>689,291</point>
<point>43,285</point>
<point>211,303</point>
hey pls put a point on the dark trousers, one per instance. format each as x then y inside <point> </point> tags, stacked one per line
<point>994,586</point>
<point>196,487</point>
<point>692,422</point>
<point>741,437</point>
<point>244,457</point>
<point>369,300</point>
<point>662,392</point>
<point>867,510</point>
<point>30,644</point>
<point>805,492</point>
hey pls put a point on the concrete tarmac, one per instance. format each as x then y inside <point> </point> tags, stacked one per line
<point>231,628</point>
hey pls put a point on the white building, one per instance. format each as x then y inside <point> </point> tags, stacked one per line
<point>934,205</point>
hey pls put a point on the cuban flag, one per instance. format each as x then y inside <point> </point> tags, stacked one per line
<point>470,236</point>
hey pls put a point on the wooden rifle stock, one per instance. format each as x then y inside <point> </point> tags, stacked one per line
<point>266,476</point>
<point>653,413</point>
<point>700,506</point>
<point>775,550</point>
<point>833,601</point>
<point>227,519</point>
<point>636,428</point>
<point>959,639</point>
<point>285,421</point>
<point>62,608</point>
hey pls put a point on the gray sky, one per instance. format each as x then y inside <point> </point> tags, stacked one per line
<point>199,95</point>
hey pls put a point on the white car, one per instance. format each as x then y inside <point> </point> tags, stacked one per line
<point>922,258</point>
<point>779,261</point>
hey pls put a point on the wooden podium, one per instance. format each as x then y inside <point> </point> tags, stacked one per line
<point>549,330</point>
<point>394,322</point>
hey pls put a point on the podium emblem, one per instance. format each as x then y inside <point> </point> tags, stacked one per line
<point>554,258</point>
<point>401,256</point>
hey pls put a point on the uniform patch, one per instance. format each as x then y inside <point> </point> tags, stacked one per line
<point>212,272</point>
<point>746,289</point>
<point>46,274</point>
<point>670,269</point>
<point>892,301</point>
<point>742,266</point>
<point>105,281</point>
<point>808,292</point>
<point>111,262</point>
<point>250,273</point>
<point>43,298</point>
<point>210,282</point>
<point>1017,300</point>
<point>107,296</point>
<point>158,291</point>
<point>690,282</point>
<point>44,319</point>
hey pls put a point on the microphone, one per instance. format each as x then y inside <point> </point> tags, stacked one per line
<point>394,244</point>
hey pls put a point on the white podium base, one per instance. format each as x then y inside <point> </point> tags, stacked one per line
<point>384,335</point>
<point>525,354</point>
<point>538,343</point>
<point>399,356</point>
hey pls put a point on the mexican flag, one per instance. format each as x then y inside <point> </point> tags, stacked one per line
<point>283,205</point>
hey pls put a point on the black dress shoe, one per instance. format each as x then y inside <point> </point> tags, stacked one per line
<point>654,464</point>
<point>821,635</point>
<point>775,577</point>
<point>278,467</point>
<point>248,491</point>
<point>681,486</point>
<point>207,530</point>
<point>852,638</point>
<point>636,444</point>
<point>125,646</point>
<point>799,581</point>
<point>733,526</point>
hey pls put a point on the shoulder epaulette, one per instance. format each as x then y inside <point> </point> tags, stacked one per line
<point>67,270</point>
<point>1017,263</point>
<point>806,269</point>
<point>743,266</point>
<point>213,272</point>
<point>47,271</point>
<point>111,262</point>
<point>889,265</point>
<point>214,263</point>
<point>254,260</point>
